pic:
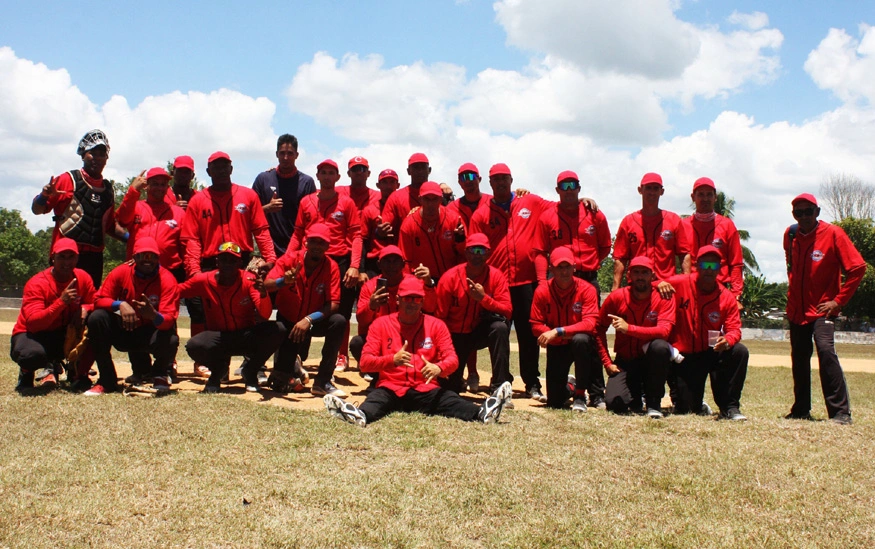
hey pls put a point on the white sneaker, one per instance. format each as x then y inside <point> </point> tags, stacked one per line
<point>653,413</point>
<point>344,410</point>
<point>490,411</point>
<point>579,405</point>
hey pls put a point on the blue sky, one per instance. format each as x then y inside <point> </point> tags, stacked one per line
<point>761,96</point>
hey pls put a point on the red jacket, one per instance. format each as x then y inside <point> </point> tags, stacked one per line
<point>576,309</point>
<point>161,221</point>
<point>428,338</point>
<point>434,246</point>
<point>227,308</point>
<point>722,234</point>
<point>42,309</point>
<point>659,237</point>
<point>371,245</point>
<point>511,235</point>
<point>123,284</point>
<point>310,292</point>
<point>460,311</point>
<point>230,216</point>
<point>459,207</point>
<point>342,217</point>
<point>818,259</point>
<point>398,206</point>
<point>362,198</point>
<point>648,320</point>
<point>699,312</point>
<point>586,233</point>
<point>365,316</point>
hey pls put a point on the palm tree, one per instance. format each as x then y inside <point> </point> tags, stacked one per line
<point>725,206</point>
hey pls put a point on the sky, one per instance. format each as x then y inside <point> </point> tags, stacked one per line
<point>768,98</point>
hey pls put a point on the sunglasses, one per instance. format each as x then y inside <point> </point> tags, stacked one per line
<point>412,299</point>
<point>477,250</point>
<point>229,247</point>
<point>709,265</point>
<point>468,176</point>
<point>803,212</point>
<point>569,185</point>
<point>358,169</point>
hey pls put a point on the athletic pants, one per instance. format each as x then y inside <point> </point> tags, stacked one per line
<point>832,379</point>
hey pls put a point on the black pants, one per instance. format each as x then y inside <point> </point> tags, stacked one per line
<point>580,351</point>
<point>491,333</point>
<point>348,296</point>
<point>728,371</point>
<point>92,263</point>
<point>645,375</point>
<point>105,331</point>
<point>193,305</point>
<point>332,329</point>
<point>530,353</point>
<point>32,351</point>
<point>437,402</point>
<point>832,379</point>
<point>214,349</point>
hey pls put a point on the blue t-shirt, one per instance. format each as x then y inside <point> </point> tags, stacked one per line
<point>291,190</point>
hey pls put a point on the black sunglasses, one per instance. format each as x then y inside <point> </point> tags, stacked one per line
<point>804,212</point>
<point>358,169</point>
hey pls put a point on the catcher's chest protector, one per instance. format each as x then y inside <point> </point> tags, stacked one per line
<point>83,219</point>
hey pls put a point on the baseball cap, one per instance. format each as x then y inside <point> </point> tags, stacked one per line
<point>320,231</point>
<point>387,173</point>
<point>391,250</point>
<point>90,140</point>
<point>145,244</point>
<point>430,188</point>
<point>805,197</point>
<point>157,172</point>
<point>566,175</point>
<point>417,158</point>
<point>641,261</point>
<point>327,162</point>
<point>468,167</point>
<point>358,161</point>
<point>478,239</point>
<point>562,254</point>
<point>230,248</point>
<point>411,286</point>
<point>217,156</point>
<point>709,249</point>
<point>651,177</point>
<point>499,169</point>
<point>704,182</point>
<point>184,161</point>
<point>65,244</point>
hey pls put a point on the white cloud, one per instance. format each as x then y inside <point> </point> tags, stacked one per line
<point>845,65</point>
<point>752,21</point>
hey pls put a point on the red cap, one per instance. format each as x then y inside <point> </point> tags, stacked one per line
<point>566,175</point>
<point>387,173</point>
<point>478,239</point>
<point>217,155</point>
<point>641,261</point>
<point>417,158</point>
<point>411,286</point>
<point>468,167</point>
<point>806,197</point>
<point>145,244</point>
<point>704,182</point>
<point>651,177</point>
<point>562,254</point>
<point>709,249</point>
<point>430,188</point>
<point>65,244</point>
<point>319,230</point>
<point>358,161</point>
<point>184,162</point>
<point>499,169</point>
<point>391,249</point>
<point>157,172</point>
<point>327,162</point>
<point>230,248</point>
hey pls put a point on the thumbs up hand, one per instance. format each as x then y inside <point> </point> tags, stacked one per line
<point>402,357</point>
<point>275,204</point>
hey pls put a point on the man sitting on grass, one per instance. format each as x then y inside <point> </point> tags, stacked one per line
<point>410,350</point>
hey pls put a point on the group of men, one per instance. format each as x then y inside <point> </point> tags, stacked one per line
<point>432,281</point>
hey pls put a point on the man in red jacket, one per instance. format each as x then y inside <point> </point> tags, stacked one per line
<point>372,218</point>
<point>565,313</point>
<point>474,302</point>
<point>817,253</point>
<point>410,351</point>
<point>707,333</point>
<point>179,192</point>
<point>403,201</point>
<point>146,298</point>
<point>430,236</point>
<point>643,321</point>
<point>53,299</point>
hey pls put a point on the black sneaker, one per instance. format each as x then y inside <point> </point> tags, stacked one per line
<point>732,414</point>
<point>842,419</point>
<point>598,403</point>
<point>706,411</point>
<point>25,381</point>
<point>793,415</point>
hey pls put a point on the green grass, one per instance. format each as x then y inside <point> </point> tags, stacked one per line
<point>116,471</point>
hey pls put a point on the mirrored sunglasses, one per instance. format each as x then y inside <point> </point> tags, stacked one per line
<point>569,185</point>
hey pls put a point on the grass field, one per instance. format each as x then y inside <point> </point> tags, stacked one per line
<point>179,471</point>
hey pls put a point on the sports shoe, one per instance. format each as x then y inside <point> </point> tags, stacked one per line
<point>161,383</point>
<point>598,403</point>
<point>571,384</point>
<point>579,405</point>
<point>201,371</point>
<point>327,389</point>
<point>491,409</point>
<point>653,413</point>
<point>473,384</point>
<point>41,374</point>
<point>368,377</point>
<point>261,376</point>
<point>134,379</point>
<point>842,419</point>
<point>300,371</point>
<point>344,410</point>
<point>706,410</point>
<point>342,363</point>
<point>732,414</point>
<point>794,415</point>
<point>97,390</point>
<point>535,394</point>
<point>80,384</point>
<point>173,372</point>
<point>211,389</point>
<point>49,382</point>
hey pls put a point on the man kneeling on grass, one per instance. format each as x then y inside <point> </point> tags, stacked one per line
<point>410,350</point>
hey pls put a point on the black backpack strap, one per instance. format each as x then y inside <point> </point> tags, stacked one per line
<point>791,234</point>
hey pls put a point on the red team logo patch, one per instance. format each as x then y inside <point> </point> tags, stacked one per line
<point>816,255</point>
<point>667,235</point>
<point>241,208</point>
<point>337,216</point>
<point>427,343</point>
<point>525,213</point>
<point>714,317</point>
<point>590,230</point>
<point>717,243</point>
<point>577,307</point>
<point>652,316</point>
<point>448,235</point>
<point>172,223</point>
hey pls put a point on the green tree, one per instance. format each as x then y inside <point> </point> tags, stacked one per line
<point>762,299</point>
<point>22,253</point>
<point>725,206</point>
<point>862,234</point>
